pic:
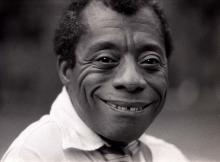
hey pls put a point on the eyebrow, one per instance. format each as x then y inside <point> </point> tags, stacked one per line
<point>104,46</point>
<point>150,47</point>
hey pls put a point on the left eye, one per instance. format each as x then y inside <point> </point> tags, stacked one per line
<point>150,60</point>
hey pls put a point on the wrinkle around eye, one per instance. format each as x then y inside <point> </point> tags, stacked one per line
<point>87,70</point>
<point>157,68</point>
<point>150,60</point>
<point>95,66</point>
<point>105,62</point>
<point>104,66</point>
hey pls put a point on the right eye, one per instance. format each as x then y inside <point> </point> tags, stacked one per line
<point>105,60</point>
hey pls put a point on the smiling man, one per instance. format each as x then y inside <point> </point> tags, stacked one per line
<point>113,62</point>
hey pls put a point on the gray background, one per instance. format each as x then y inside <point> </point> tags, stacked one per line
<point>29,83</point>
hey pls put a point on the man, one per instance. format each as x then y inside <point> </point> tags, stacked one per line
<point>112,60</point>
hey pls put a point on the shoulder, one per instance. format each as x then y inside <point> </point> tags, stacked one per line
<point>41,140</point>
<point>163,151</point>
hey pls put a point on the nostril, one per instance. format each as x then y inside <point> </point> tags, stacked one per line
<point>129,87</point>
<point>134,89</point>
<point>139,89</point>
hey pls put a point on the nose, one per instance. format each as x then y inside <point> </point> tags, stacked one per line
<point>128,77</point>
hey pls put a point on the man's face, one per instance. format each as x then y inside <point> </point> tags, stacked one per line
<point>119,82</point>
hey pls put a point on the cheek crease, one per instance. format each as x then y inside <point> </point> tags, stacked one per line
<point>83,74</point>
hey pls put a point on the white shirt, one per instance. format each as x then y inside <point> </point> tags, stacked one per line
<point>62,136</point>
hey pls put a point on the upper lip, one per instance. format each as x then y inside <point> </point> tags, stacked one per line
<point>128,103</point>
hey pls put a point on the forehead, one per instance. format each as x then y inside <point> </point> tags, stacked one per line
<point>96,15</point>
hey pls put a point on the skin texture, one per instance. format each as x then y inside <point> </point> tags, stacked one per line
<point>121,61</point>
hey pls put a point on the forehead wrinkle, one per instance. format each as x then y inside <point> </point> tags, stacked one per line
<point>106,18</point>
<point>109,18</point>
<point>106,22</point>
<point>129,39</point>
<point>145,24</point>
<point>122,22</point>
<point>109,37</point>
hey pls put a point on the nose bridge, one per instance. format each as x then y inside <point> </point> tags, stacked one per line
<point>128,76</point>
<point>129,72</point>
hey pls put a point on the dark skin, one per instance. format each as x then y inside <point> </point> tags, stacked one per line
<point>119,82</point>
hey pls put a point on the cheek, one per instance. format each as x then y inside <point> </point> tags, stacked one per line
<point>89,82</point>
<point>159,83</point>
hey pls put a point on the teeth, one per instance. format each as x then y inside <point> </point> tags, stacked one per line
<point>122,108</point>
<point>112,105</point>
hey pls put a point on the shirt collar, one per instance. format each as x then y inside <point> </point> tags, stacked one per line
<point>75,133</point>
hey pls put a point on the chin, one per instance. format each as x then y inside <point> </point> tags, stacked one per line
<point>128,133</point>
<point>124,135</point>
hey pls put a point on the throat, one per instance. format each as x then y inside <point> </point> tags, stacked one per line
<point>112,143</point>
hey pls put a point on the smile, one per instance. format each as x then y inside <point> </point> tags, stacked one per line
<point>127,107</point>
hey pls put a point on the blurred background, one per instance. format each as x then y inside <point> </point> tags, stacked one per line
<point>29,82</point>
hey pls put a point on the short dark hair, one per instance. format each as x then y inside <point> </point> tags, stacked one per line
<point>70,27</point>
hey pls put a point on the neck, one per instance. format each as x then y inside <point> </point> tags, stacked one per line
<point>113,143</point>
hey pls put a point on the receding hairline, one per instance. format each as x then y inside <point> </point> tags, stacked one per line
<point>143,10</point>
<point>139,8</point>
<point>71,26</point>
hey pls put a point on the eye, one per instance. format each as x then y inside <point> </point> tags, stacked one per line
<point>151,62</point>
<point>105,60</point>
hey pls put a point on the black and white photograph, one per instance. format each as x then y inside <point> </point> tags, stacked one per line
<point>110,81</point>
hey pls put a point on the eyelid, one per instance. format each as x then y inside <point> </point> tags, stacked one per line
<point>102,53</point>
<point>105,53</point>
<point>112,58</point>
<point>150,55</point>
<point>105,61</point>
<point>156,65</point>
<point>101,57</point>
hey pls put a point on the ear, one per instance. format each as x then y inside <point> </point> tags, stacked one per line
<point>64,68</point>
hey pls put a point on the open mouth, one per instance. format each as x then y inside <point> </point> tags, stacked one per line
<point>127,107</point>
